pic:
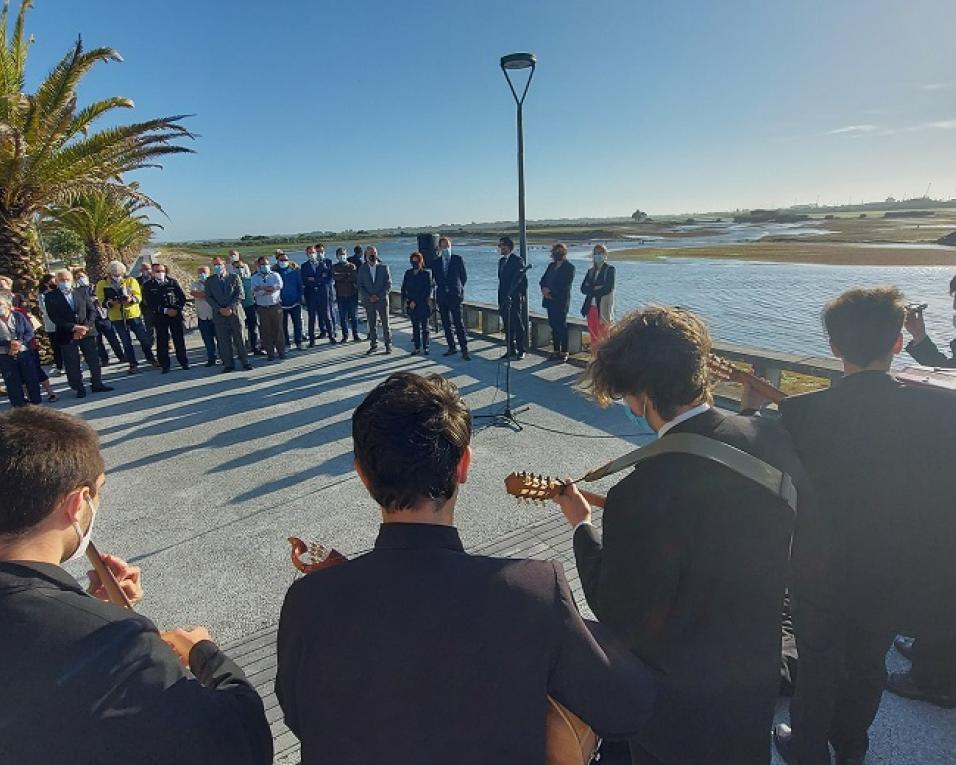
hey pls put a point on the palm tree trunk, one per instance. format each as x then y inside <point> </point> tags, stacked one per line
<point>24,264</point>
<point>98,257</point>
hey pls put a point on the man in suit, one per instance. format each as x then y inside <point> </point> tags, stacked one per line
<point>420,653</point>
<point>878,454</point>
<point>512,297</point>
<point>317,282</point>
<point>691,569</point>
<point>374,285</point>
<point>450,276</point>
<point>74,315</point>
<point>224,294</point>
<point>88,681</point>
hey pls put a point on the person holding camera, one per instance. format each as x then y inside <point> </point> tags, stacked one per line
<point>122,295</point>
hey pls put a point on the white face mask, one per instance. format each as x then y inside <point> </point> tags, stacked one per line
<point>84,538</point>
<point>83,281</point>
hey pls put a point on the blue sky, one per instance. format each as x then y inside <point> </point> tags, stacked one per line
<point>327,115</point>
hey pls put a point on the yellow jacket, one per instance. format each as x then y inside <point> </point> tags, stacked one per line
<point>106,293</point>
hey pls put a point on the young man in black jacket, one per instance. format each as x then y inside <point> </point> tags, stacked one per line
<point>87,681</point>
<point>691,567</point>
<point>512,297</point>
<point>420,653</point>
<point>880,456</point>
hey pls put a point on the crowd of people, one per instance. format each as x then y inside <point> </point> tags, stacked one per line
<point>244,310</point>
<point>837,513</point>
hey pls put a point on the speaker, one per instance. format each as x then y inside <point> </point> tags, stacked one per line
<point>428,247</point>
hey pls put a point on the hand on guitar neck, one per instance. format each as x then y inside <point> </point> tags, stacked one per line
<point>112,579</point>
<point>574,503</point>
<point>756,393</point>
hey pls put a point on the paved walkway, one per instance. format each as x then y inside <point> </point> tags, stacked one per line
<point>208,473</point>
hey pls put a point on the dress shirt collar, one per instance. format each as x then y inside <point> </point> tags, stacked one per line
<point>415,536</point>
<point>683,417</point>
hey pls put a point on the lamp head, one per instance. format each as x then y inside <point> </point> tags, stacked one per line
<point>518,61</point>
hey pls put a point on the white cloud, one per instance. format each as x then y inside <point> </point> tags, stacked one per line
<point>852,129</point>
<point>937,85</point>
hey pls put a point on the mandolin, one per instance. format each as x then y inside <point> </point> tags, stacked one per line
<point>724,370</point>
<point>528,487</point>
<point>113,591</point>
<point>568,739</point>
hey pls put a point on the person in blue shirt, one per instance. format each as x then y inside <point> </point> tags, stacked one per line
<point>292,296</point>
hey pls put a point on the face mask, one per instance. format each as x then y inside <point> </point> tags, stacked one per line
<point>64,286</point>
<point>341,257</point>
<point>555,256</point>
<point>83,281</point>
<point>599,260</point>
<point>446,252</point>
<point>202,276</point>
<point>160,277</point>
<point>263,269</point>
<point>283,264</point>
<point>416,264</point>
<point>639,420</point>
<point>84,538</point>
<point>217,268</point>
<point>372,259</point>
<point>313,256</point>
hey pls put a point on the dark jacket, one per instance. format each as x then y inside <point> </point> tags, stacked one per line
<point>596,285</point>
<point>558,278</point>
<point>450,285</point>
<point>928,355</point>
<point>65,317</point>
<point>159,296</point>
<point>881,458</point>
<point>224,291</point>
<point>316,279</point>
<point>510,273</point>
<point>417,287</point>
<point>95,683</point>
<point>346,279</point>
<point>419,653</point>
<point>691,574</point>
<point>356,260</point>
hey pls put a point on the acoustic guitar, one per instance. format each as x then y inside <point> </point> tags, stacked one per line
<point>724,370</point>
<point>568,739</point>
<point>528,487</point>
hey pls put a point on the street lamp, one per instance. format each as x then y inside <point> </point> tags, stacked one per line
<point>509,63</point>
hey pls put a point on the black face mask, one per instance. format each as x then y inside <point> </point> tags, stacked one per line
<point>416,264</point>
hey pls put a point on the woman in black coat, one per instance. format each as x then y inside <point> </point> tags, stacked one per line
<point>416,297</point>
<point>556,291</point>
<point>598,286</point>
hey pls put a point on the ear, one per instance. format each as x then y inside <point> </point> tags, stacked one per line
<point>74,503</point>
<point>464,464</point>
<point>898,345</point>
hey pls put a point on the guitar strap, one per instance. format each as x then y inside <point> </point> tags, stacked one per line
<point>777,482</point>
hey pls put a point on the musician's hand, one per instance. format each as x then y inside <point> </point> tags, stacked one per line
<point>915,324</point>
<point>182,641</point>
<point>573,504</point>
<point>128,577</point>
<point>750,400</point>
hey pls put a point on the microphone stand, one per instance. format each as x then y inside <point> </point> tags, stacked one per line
<point>507,417</point>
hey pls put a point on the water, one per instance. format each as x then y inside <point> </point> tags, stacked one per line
<point>774,306</point>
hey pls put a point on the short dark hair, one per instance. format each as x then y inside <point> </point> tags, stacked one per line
<point>262,259</point>
<point>507,241</point>
<point>660,352</point>
<point>444,238</point>
<point>864,324</point>
<point>410,433</point>
<point>319,245</point>
<point>44,455</point>
<point>357,249</point>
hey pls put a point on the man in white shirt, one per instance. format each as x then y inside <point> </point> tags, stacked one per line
<point>207,327</point>
<point>266,286</point>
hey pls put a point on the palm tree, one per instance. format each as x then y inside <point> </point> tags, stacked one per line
<point>48,154</point>
<point>110,228</point>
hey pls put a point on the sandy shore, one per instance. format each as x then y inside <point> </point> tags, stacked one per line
<point>823,253</point>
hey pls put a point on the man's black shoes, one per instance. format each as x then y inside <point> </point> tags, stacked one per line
<point>465,356</point>
<point>102,388</point>
<point>903,684</point>
<point>450,352</point>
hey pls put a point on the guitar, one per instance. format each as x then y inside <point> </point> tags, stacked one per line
<point>568,739</point>
<point>528,487</point>
<point>724,370</point>
<point>113,591</point>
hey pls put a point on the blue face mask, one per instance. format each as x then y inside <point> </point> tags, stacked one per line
<point>263,268</point>
<point>283,264</point>
<point>217,268</point>
<point>446,253</point>
<point>639,421</point>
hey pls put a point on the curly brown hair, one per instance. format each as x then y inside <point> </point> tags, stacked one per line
<point>660,352</point>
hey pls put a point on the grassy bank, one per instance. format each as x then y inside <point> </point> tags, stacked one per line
<point>823,253</point>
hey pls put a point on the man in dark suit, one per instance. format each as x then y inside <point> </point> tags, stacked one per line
<point>166,301</point>
<point>451,277</point>
<point>879,455</point>
<point>87,681</point>
<point>691,569</point>
<point>74,314</point>
<point>419,653</point>
<point>512,297</point>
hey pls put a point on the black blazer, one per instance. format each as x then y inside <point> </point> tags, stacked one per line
<point>160,296</point>
<point>419,653</point>
<point>417,287</point>
<point>449,287</point>
<point>691,574</point>
<point>597,285</point>
<point>95,683</point>
<point>509,271</point>
<point>926,353</point>
<point>558,280</point>
<point>881,457</point>
<point>65,318</point>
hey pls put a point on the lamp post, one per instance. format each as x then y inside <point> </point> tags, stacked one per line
<point>509,63</point>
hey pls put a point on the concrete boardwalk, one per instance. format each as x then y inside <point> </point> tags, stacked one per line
<point>208,473</point>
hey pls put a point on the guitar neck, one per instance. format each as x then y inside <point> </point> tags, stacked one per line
<point>113,591</point>
<point>761,386</point>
